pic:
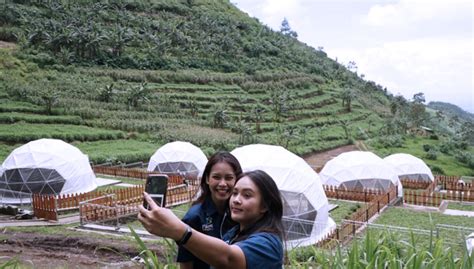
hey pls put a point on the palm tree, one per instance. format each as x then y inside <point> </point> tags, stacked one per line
<point>49,98</point>
<point>105,94</point>
<point>347,96</point>
<point>138,95</point>
<point>220,118</point>
<point>120,36</point>
<point>258,117</point>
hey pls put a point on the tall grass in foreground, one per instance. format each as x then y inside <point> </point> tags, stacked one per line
<point>382,251</point>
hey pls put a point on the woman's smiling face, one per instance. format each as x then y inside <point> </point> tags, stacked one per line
<point>221,181</point>
<point>246,203</point>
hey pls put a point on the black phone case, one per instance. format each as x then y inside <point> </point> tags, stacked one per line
<point>156,185</point>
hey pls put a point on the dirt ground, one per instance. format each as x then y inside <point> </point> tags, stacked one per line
<point>35,250</point>
<point>317,160</point>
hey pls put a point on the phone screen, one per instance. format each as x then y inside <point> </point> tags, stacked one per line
<point>156,186</point>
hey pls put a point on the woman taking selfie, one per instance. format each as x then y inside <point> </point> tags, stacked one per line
<point>209,213</point>
<point>256,242</point>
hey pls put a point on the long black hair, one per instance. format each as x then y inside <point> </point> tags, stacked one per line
<point>218,157</point>
<point>271,221</point>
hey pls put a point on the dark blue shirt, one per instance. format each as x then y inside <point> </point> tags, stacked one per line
<point>205,219</point>
<point>262,250</point>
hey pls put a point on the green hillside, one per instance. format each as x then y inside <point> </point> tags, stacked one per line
<point>120,78</point>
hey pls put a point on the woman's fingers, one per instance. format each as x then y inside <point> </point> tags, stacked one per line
<point>150,201</point>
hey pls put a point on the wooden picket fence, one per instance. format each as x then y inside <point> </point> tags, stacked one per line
<point>136,173</point>
<point>454,183</point>
<point>126,200</point>
<point>121,172</point>
<point>349,228</point>
<point>434,199</point>
<point>342,193</point>
<point>415,184</point>
<point>48,206</point>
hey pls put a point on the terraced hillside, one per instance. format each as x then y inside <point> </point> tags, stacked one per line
<point>120,78</point>
<point>297,110</point>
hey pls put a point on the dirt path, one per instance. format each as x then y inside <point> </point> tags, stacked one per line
<point>317,160</point>
<point>36,250</point>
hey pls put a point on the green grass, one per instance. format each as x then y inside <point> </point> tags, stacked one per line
<point>6,149</point>
<point>344,209</point>
<point>411,219</point>
<point>13,117</point>
<point>24,132</point>
<point>414,146</point>
<point>461,206</point>
<point>124,150</point>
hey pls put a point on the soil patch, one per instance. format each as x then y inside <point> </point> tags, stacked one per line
<point>319,159</point>
<point>56,251</point>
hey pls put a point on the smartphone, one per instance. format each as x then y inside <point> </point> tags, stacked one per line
<point>156,186</point>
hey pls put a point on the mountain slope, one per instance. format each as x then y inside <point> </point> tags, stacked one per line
<point>157,71</point>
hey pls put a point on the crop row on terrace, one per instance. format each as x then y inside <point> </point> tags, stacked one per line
<point>24,132</point>
<point>13,117</point>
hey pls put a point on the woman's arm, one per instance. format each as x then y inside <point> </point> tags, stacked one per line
<point>162,222</point>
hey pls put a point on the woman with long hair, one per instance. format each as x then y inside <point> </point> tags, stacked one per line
<point>257,241</point>
<point>209,213</point>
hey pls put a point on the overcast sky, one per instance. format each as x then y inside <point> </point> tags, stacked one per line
<point>408,46</point>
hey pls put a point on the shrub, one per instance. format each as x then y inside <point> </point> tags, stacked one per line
<point>463,157</point>
<point>392,141</point>
<point>431,154</point>
<point>437,170</point>
<point>445,147</point>
<point>461,144</point>
<point>427,147</point>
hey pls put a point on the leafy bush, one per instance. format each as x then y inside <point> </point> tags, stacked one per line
<point>392,141</point>
<point>445,147</point>
<point>432,154</point>
<point>466,158</point>
<point>463,157</point>
<point>427,147</point>
<point>437,170</point>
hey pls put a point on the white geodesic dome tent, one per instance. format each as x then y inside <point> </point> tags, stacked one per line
<point>360,170</point>
<point>45,166</point>
<point>410,167</point>
<point>305,205</point>
<point>178,158</point>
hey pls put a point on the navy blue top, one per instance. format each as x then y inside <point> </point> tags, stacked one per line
<point>261,250</point>
<point>205,219</point>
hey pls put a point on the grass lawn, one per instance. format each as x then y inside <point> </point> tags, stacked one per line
<point>411,219</point>
<point>344,209</point>
<point>461,206</point>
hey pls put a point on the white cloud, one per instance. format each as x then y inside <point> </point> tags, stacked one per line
<point>436,67</point>
<point>406,12</point>
<point>407,46</point>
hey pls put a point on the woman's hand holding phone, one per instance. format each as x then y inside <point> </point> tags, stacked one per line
<point>160,221</point>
